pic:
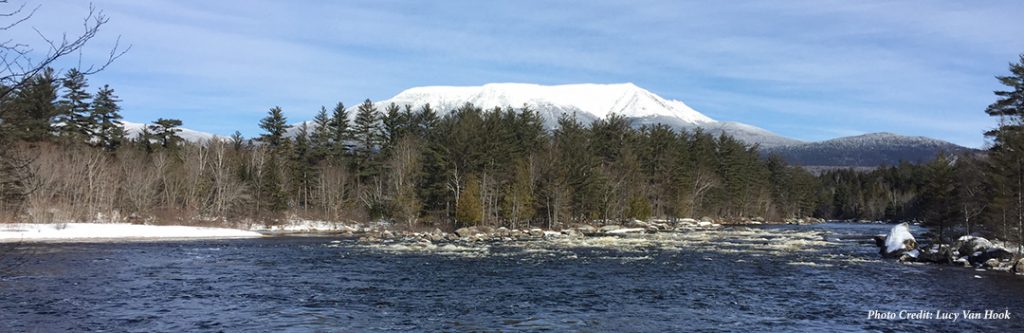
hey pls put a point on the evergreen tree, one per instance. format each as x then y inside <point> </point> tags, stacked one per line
<point>275,125</point>
<point>939,194</point>
<point>577,162</point>
<point>425,121</point>
<point>434,165</point>
<point>165,132</point>
<point>366,131</point>
<point>394,125</point>
<point>341,131</point>
<point>31,110</point>
<point>271,191</point>
<point>302,172</point>
<point>639,208</point>
<point>237,141</point>
<point>145,140</point>
<point>108,132</point>
<point>73,112</point>
<point>322,135</point>
<point>1007,152</point>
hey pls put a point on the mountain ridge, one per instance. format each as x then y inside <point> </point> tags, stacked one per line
<point>865,150</point>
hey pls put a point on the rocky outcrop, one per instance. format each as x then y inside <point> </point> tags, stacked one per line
<point>899,243</point>
<point>969,245</point>
<point>968,251</point>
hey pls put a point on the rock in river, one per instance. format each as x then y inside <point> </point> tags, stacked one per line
<point>899,243</point>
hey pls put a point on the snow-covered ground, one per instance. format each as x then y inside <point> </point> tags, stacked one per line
<point>300,225</point>
<point>112,231</point>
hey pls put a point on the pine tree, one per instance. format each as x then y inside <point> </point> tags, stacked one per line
<point>105,114</point>
<point>322,135</point>
<point>1007,152</point>
<point>425,121</point>
<point>73,117</point>
<point>31,110</point>
<point>434,163</point>
<point>271,190</point>
<point>165,132</point>
<point>939,194</point>
<point>145,140</point>
<point>237,141</point>
<point>302,172</point>
<point>366,131</point>
<point>275,125</point>
<point>341,131</point>
<point>393,122</point>
<point>577,162</point>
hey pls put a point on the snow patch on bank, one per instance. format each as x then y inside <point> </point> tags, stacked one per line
<point>113,231</point>
<point>298,225</point>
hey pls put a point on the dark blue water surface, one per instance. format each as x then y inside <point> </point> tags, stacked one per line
<point>777,279</point>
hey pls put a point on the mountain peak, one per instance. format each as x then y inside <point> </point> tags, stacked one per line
<point>588,100</point>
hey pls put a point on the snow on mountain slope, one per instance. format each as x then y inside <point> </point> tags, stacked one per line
<point>133,130</point>
<point>751,134</point>
<point>594,100</point>
<point>588,102</point>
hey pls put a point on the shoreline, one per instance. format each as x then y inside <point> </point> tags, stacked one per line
<point>112,232</point>
<point>120,231</point>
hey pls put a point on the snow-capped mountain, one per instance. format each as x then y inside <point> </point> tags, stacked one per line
<point>133,130</point>
<point>868,150</point>
<point>588,102</point>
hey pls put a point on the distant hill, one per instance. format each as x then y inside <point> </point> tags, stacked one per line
<point>868,150</point>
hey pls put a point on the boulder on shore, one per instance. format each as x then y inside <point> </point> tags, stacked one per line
<point>586,229</point>
<point>970,245</point>
<point>994,253</point>
<point>1018,267</point>
<point>466,232</point>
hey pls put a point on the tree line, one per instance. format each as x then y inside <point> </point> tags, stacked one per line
<point>470,166</point>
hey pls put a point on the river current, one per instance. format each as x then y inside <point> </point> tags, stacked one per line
<point>750,279</point>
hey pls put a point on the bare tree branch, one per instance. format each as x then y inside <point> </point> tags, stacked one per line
<point>17,63</point>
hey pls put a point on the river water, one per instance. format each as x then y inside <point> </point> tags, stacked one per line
<point>766,278</point>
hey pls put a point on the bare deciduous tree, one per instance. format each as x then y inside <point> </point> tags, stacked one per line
<point>404,166</point>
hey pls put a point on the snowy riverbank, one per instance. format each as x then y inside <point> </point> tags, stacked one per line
<point>112,231</point>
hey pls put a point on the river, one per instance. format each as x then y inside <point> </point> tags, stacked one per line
<point>765,278</point>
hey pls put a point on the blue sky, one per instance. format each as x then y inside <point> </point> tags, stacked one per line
<point>810,70</point>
